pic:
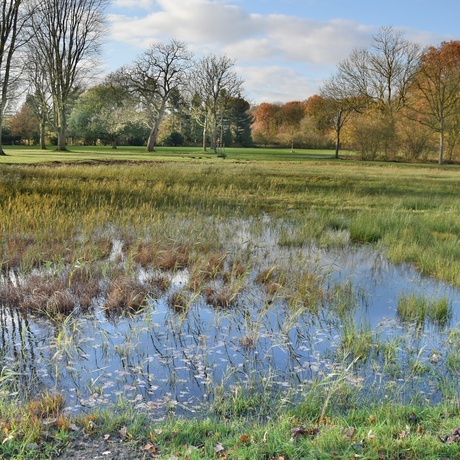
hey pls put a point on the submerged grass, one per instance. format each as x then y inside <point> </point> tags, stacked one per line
<point>414,308</point>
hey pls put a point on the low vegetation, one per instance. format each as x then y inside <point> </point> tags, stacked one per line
<point>116,234</point>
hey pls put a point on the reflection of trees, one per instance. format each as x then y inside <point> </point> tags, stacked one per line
<point>20,350</point>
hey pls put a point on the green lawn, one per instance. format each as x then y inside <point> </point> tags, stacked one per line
<point>21,154</point>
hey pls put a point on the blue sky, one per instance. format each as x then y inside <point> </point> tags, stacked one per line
<point>283,50</point>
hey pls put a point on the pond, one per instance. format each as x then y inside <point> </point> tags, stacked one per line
<point>304,314</point>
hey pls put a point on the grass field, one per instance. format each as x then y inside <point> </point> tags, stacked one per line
<point>182,204</point>
<point>22,154</point>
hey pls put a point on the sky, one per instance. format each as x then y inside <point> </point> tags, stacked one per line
<point>283,50</point>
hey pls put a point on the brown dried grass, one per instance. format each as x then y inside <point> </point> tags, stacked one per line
<point>126,292</point>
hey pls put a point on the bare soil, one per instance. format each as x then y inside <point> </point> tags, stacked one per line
<point>97,448</point>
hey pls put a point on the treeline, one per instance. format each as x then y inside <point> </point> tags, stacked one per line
<point>50,47</point>
<point>394,99</point>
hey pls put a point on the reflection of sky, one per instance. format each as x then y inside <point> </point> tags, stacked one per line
<point>160,360</point>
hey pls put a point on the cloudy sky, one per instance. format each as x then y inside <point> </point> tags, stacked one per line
<point>283,49</point>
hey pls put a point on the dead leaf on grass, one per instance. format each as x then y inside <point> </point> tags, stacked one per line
<point>350,433</point>
<point>151,448</point>
<point>452,438</point>
<point>218,448</point>
<point>301,431</point>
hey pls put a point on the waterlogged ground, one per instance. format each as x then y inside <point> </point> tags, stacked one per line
<point>301,315</point>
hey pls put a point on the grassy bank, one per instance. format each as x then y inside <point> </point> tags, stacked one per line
<point>388,431</point>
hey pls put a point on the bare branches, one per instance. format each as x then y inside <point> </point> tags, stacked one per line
<point>154,77</point>
<point>66,36</point>
<point>213,84</point>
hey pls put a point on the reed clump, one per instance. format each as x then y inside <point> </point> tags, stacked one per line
<point>418,308</point>
<point>126,292</point>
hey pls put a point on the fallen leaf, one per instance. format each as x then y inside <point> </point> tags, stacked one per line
<point>372,419</point>
<point>8,438</point>
<point>92,425</point>
<point>123,433</point>
<point>452,438</point>
<point>403,434</point>
<point>264,439</point>
<point>151,448</point>
<point>244,438</point>
<point>49,421</point>
<point>302,431</point>
<point>350,432</point>
<point>218,448</point>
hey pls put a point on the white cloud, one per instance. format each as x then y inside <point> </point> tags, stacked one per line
<point>279,56</point>
<point>277,84</point>
<point>143,4</point>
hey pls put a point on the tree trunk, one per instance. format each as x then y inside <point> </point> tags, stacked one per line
<point>2,152</point>
<point>151,140</point>
<point>441,146</point>
<point>205,135</point>
<point>43,133</point>
<point>338,127</point>
<point>61,130</point>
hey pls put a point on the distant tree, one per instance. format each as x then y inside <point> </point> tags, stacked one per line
<point>39,97</point>
<point>265,123</point>
<point>212,86</point>
<point>436,89</point>
<point>380,76</point>
<point>154,79</point>
<point>237,123</point>
<point>290,116</point>
<point>335,106</point>
<point>24,124</point>
<point>66,35</point>
<point>103,113</point>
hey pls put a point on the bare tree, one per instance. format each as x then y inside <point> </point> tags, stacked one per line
<point>339,104</point>
<point>39,93</point>
<point>12,25</point>
<point>378,77</point>
<point>213,84</point>
<point>66,36</point>
<point>382,73</point>
<point>153,78</point>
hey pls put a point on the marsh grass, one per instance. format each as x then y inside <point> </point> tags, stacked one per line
<point>59,225</point>
<point>417,309</point>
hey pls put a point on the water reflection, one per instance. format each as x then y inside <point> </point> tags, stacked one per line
<point>163,361</point>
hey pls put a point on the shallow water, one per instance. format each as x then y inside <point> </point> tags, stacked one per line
<point>162,361</point>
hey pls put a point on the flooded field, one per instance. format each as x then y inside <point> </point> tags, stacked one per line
<point>268,315</point>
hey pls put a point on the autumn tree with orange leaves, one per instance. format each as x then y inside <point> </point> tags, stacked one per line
<point>436,90</point>
<point>265,125</point>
